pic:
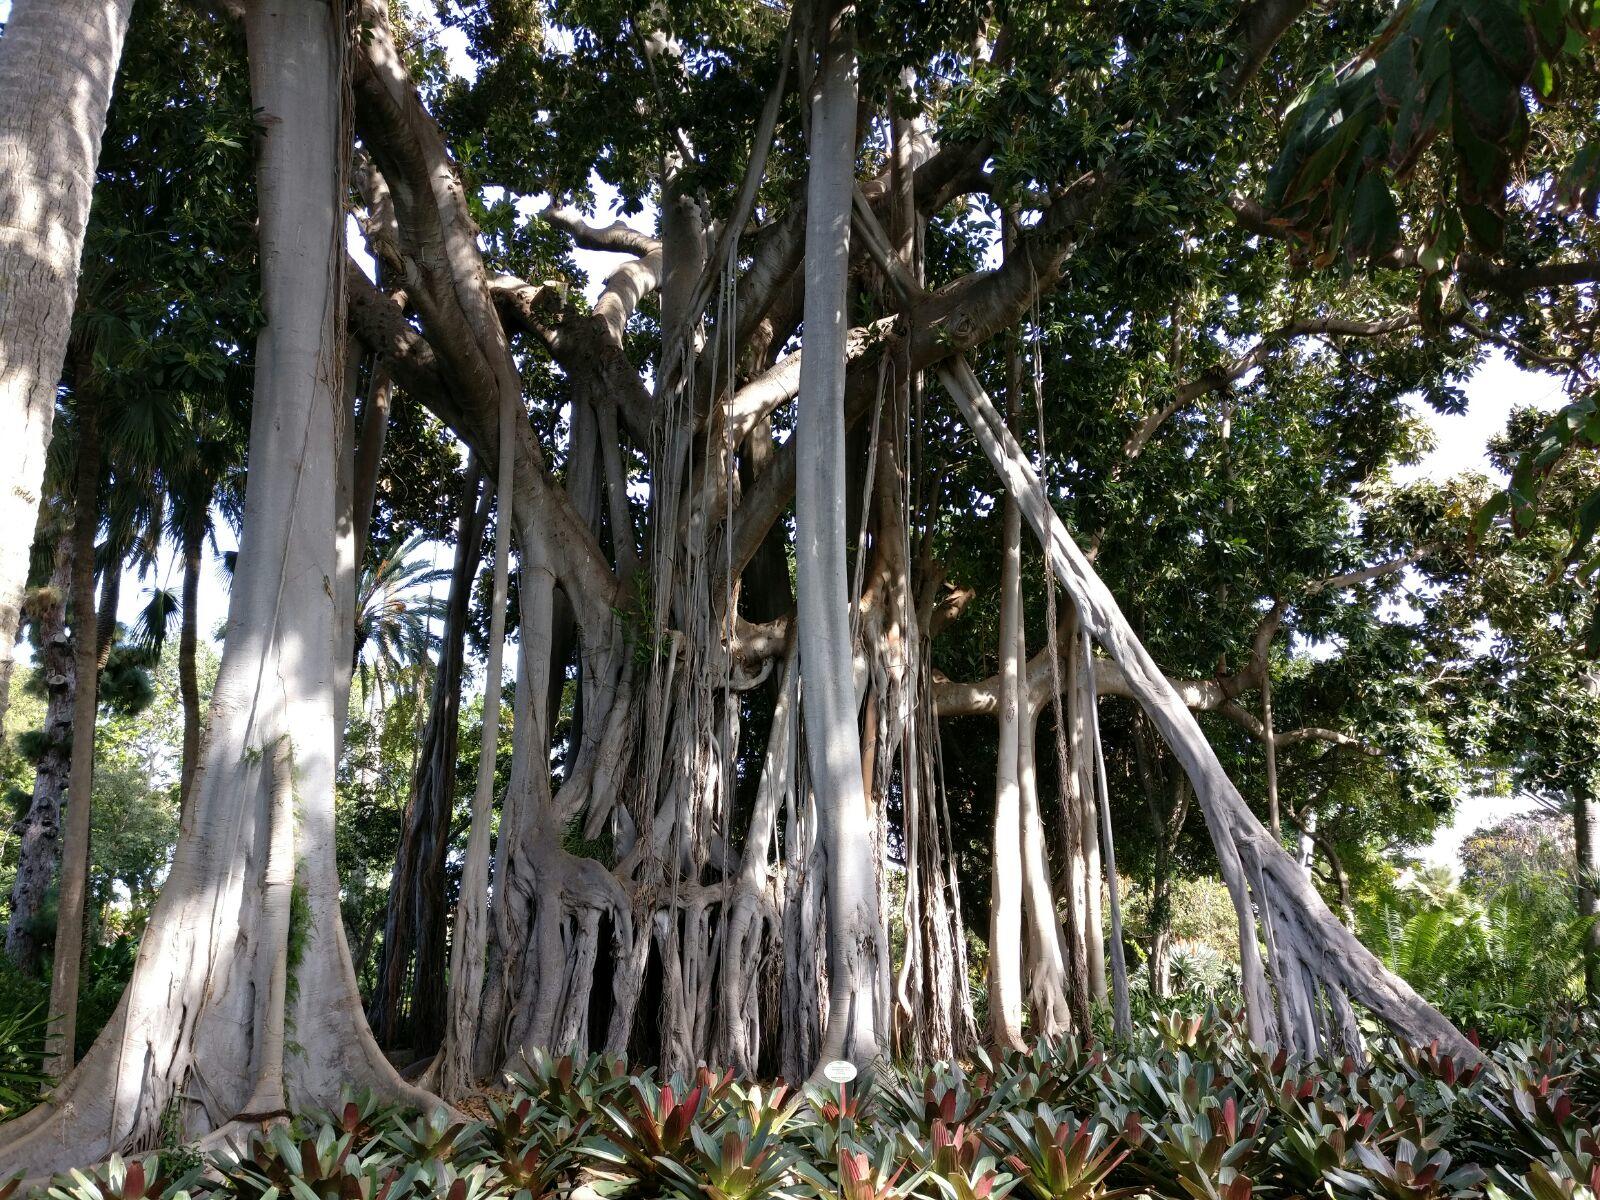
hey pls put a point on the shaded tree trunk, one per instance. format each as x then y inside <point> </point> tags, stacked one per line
<point>411,965</point>
<point>58,61</point>
<point>105,621</point>
<point>193,546</point>
<point>72,890</point>
<point>469,940</point>
<point>39,848</point>
<point>253,891</point>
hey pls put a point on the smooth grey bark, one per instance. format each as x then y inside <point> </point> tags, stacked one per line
<point>1315,944</point>
<point>39,848</point>
<point>205,1014</point>
<point>1005,895</point>
<point>828,698</point>
<point>469,941</point>
<point>1047,988</point>
<point>1120,1009</point>
<point>1586,836</point>
<point>58,60</point>
<point>71,890</point>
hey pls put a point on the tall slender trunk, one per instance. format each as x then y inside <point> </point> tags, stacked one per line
<point>205,1014</point>
<point>415,918</point>
<point>369,456</point>
<point>1046,968</point>
<point>58,60</point>
<point>193,538</point>
<point>470,938</point>
<point>105,621</point>
<point>1005,888</point>
<point>1269,742</point>
<point>72,889</point>
<point>828,695</point>
<point>1088,875</point>
<point>39,850</point>
<point>1586,835</point>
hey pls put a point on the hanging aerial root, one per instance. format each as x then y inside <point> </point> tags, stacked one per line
<point>1321,948</point>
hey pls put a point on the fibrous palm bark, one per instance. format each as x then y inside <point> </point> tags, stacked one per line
<point>58,60</point>
<point>246,942</point>
<point>39,848</point>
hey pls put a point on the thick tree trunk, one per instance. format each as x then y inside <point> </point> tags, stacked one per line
<point>72,890</point>
<point>58,60</point>
<point>39,850</point>
<point>1305,941</point>
<point>828,695</point>
<point>205,1016</point>
<point>1586,836</point>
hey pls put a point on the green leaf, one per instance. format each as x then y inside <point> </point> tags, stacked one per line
<point>1502,30</point>
<point>1374,220</point>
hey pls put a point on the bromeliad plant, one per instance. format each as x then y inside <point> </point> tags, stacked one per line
<point>740,1163</point>
<point>320,1164</point>
<point>1411,1174</point>
<point>574,1086</point>
<point>1211,1156</point>
<point>1177,1113</point>
<point>636,1138</point>
<point>1055,1158</point>
<point>137,1179</point>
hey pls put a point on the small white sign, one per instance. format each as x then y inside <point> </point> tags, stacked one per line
<point>840,1071</point>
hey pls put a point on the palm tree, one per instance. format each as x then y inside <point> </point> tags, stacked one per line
<point>396,613</point>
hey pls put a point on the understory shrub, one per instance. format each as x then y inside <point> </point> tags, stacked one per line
<point>1187,1109</point>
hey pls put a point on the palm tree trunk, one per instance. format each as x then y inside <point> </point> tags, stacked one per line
<point>57,63</point>
<point>73,887</point>
<point>105,622</point>
<point>40,847</point>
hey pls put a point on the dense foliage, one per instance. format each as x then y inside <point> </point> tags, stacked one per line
<point>1187,281</point>
<point>1185,1109</point>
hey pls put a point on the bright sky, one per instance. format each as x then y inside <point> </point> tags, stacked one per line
<point>1494,391</point>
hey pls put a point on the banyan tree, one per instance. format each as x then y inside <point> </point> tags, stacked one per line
<point>715,526</point>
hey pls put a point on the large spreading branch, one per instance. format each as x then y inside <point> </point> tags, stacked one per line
<point>1226,374</point>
